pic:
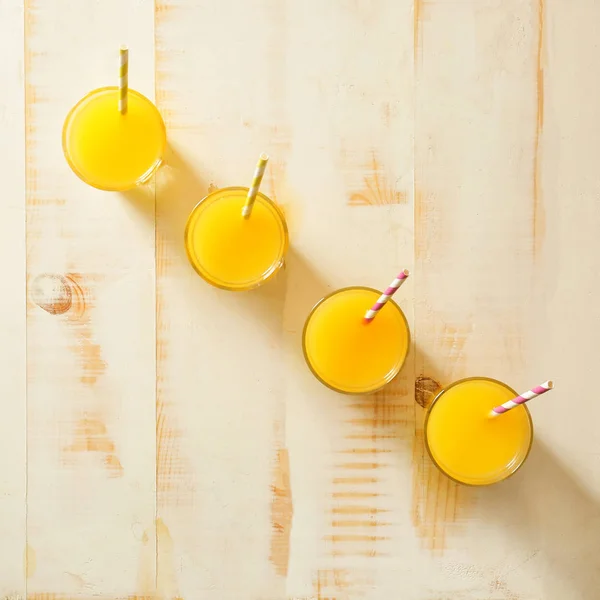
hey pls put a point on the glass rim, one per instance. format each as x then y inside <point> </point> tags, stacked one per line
<point>305,352</point>
<point>426,440</point>
<point>67,154</point>
<point>275,266</point>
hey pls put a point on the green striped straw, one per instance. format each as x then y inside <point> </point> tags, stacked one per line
<point>123,78</point>
<point>253,191</point>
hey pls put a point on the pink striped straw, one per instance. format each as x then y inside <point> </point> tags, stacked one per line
<point>392,289</point>
<point>524,397</point>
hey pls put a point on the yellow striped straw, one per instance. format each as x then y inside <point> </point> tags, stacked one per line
<point>123,78</point>
<point>253,191</point>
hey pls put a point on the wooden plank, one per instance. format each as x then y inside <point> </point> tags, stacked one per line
<point>90,320</point>
<point>219,364</point>
<point>250,429</point>
<point>478,228</point>
<point>563,323</point>
<point>350,108</point>
<point>13,567</point>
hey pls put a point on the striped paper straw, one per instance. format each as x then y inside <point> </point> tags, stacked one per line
<point>392,289</point>
<point>524,397</point>
<point>123,78</point>
<point>253,191</point>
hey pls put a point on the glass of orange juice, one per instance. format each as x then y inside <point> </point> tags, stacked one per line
<point>229,251</point>
<point>109,150</point>
<point>347,354</point>
<point>466,443</point>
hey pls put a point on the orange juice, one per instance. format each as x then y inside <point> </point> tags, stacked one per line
<point>344,352</point>
<point>229,251</point>
<point>468,445</point>
<point>109,150</point>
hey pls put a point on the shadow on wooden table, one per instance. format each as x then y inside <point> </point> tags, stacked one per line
<point>304,287</point>
<point>283,303</point>
<point>556,516</point>
<point>168,203</point>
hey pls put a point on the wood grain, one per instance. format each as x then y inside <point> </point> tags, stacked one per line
<point>538,202</point>
<point>282,512</point>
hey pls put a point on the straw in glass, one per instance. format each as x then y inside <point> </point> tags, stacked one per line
<point>391,290</point>
<point>253,191</point>
<point>524,397</point>
<point>123,78</point>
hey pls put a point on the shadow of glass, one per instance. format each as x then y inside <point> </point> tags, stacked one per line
<point>552,512</point>
<point>167,200</point>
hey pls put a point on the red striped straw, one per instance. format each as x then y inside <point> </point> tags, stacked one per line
<point>392,289</point>
<point>524,397</point>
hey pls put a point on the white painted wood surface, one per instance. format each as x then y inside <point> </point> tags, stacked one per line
<point>163,439</point>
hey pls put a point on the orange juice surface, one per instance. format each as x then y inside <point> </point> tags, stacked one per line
<point>109,150</point>
<point>232,252</point>
<point>345,353</point>
<point>469,445</point>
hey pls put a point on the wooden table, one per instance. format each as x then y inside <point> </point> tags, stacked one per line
<point>163,439</point>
